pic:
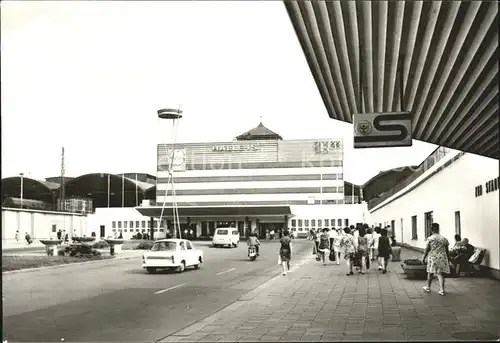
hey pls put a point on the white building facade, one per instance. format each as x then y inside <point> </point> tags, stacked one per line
<point>460,192</point>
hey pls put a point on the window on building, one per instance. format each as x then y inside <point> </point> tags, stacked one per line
<point>131,224</point>
<point>313,222</point>
<point>339,222</point>
<point>119,224</point>
<point>299,229</point>
<point>320,223</point>
<point>143,224</point>
<point>125,224</point>
<point>341,176</point>
<point>327,222</point>
<point>414,232</point>
<point>428,223</point>
<point>137,225</point>
<point>294,222</point>
<point>306,222</point>
<point>333,221</point>
<point>136,230</point>
<point>113,225</point>
<point>125,230</point>
<point>458,229</point>
<point>300,222</point>
<point>161,230</point>
<point>149,224</point>
<point>54,228</point>
<point>346,222</point>
<point>340,189</point>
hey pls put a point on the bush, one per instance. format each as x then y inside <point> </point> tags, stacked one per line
<point>10,263</point>
<point>413,262</point>
<point>100,245</point>
<point>146,245</point>
<point>83,239</point>
<point>80,250</point>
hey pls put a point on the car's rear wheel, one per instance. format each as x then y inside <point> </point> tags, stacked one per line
<point>182,267</point>
<point>151,270</point>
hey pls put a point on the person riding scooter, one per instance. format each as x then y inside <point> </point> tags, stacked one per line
<point>253,241</point>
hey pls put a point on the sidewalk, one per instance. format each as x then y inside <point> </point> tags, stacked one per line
<point>320,303</point>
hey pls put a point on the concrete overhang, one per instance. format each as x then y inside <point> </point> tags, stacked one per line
<point>216,211</point>
<point>446,52</point>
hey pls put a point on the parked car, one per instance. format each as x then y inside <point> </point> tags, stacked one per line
<point>229,236</point>
<point>177,254</point>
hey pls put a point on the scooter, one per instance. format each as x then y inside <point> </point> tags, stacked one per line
<point>252,253</point>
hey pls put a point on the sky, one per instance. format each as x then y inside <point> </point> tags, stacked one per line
<point>90,76</point>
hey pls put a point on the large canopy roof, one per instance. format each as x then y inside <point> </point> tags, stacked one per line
<point>94,186</point>
<point>446,51</point>
<point>225,211</point>
<point>32,189</point>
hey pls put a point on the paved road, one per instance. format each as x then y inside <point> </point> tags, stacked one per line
<point>117,301</point>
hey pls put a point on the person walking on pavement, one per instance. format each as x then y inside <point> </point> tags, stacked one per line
<point>285,251</point>
<point>324,245</point>
<point>17,236</point>
<point>437,251</point>
<point>376,236</point>
<point>349,249</point>
<point>27,237</point>
<point>336,243</point>
<point>384,250</point>
<point>59,234</point>
<point>363,250</point>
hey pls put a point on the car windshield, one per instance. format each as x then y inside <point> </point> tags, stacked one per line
<point>222,232</point>
<point>235,232</point>
<point>163,246</point>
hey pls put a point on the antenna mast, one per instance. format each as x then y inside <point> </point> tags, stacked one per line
<point>63,190</point>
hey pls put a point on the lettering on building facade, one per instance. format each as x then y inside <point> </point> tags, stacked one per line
<point>236,147</point>
<point>324,147</point>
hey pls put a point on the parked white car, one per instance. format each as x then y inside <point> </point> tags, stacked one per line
<point>172,254</point>
<point>229,236</point>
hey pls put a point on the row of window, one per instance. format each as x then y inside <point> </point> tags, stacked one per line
<point>137,230</point>
<point>320,223</point>
<point>428,220</point>
<point>137,224</point>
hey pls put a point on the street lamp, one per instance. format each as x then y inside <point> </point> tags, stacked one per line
<point>22,188</point>
<point>174,115</point>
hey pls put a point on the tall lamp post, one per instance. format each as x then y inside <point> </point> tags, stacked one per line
<point>174,115</point>
<point>22,188</point>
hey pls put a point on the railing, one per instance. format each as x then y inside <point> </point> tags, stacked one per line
<point>432,159</point>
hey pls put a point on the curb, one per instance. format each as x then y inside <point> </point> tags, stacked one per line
<point>27,270</point>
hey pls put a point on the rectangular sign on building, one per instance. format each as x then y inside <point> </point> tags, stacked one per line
<point>385,129</point>
<point>220,154</point>
<point>311,150</point>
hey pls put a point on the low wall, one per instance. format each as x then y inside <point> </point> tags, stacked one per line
<point>40,224</point>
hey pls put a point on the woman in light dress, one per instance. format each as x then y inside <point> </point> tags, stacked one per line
<point>348,245</point>
<point>337,242</point>
<point>438,256</point>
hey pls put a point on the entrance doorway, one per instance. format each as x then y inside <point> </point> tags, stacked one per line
<point>103,231</point>
<point>269,227</point>
<point>241,229</point>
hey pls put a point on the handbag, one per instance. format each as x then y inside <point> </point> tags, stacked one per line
<point>332,256</point>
